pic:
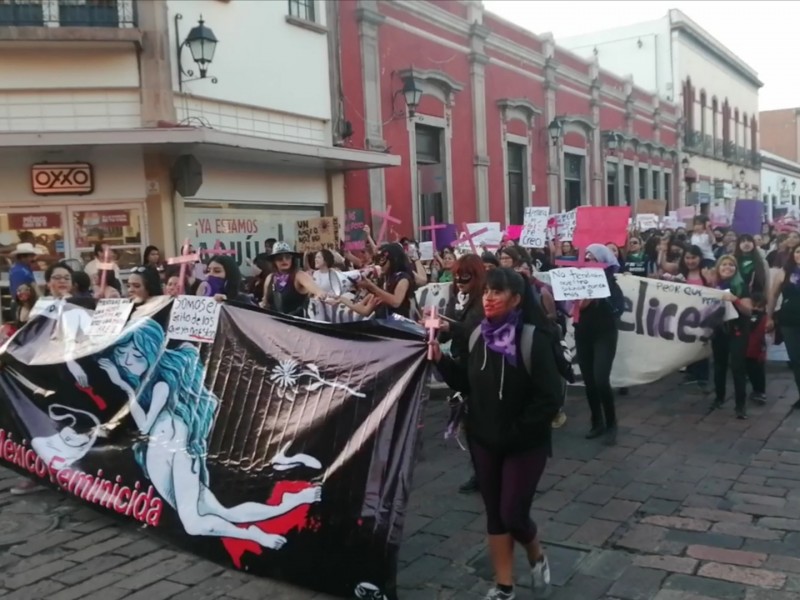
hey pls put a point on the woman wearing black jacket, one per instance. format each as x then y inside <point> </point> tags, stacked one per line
<point>596,346</point>
<point>509,411</point>
<point>464,312</point>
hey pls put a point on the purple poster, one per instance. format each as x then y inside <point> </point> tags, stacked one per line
<point>747,216</point>
<point>446,236</point>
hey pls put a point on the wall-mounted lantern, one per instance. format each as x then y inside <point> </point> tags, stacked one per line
<point>412,94</point>
<point>202,44</point>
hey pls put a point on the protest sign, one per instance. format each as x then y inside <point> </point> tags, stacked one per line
<point>651,206</point>
<point>194,319</point>
<point>354,236</point>
<point>534,231</point>
<point>447,236</point>
<point>719,215</point>
<point>577,284</point>
<point>601,225</point>
<point>296,447</point>
<point>426,250</point>
<point>561,226</point>
<point>491,237</point>
<point>513,232</point>
<point>110,316</point>
<point>645,222</point>
<point>747,216</point>
<point>321,233</point>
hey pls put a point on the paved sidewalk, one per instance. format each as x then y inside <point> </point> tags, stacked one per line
<point>688,506</point>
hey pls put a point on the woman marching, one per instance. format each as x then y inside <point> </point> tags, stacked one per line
<point>288,288</point>
<point>513,392</point>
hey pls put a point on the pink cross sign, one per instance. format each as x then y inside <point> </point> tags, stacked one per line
<point>218,250</point>
<point>104,267</point>
<point>386,219</point>
<point>432,324</point>
<point>432,228</point>
<point>183,260</point>
<point>469,237</point>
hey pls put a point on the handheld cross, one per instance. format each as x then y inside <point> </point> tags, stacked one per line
<point>432,324</point>
<point>104,267</point>
<point>466,235</point>
<point>387,218</point>
<point>183,260</point>
<point>432,228</point>
<point>219,250</point>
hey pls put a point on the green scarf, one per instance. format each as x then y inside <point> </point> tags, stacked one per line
<point>747,266</point>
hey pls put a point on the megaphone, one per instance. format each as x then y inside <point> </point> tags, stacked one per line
<point>343,282</point>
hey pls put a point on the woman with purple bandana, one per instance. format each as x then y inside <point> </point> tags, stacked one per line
<point>596,346</point>
<point>287,288</point>
<point>509,412</point>
<point>223,280</point>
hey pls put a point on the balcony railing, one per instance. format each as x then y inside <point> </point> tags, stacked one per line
<point>68,13</point>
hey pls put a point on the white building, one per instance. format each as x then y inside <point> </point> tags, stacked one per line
<point>780,186</point>
<point>105,135</point>
<point>718,92</point>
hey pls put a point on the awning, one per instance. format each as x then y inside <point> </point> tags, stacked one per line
<point>211,143</point>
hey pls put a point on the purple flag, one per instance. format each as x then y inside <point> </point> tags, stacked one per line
<point>446,236</point>
<point>747,216</point>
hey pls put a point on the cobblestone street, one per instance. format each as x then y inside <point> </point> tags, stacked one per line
<point>688,506</point>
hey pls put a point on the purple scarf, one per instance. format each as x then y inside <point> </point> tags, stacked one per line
<point>216,285</point>
<point>501,336</point>
<point>281,281</point>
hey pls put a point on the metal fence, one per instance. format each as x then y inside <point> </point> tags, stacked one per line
<point>68,13</point>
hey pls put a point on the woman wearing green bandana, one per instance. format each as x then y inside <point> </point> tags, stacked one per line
<point>751,266</point>
<point>729,342</point>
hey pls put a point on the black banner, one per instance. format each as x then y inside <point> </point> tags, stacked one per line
<point>285,448</point>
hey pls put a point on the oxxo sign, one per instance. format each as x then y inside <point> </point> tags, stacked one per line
<point>50,179</point>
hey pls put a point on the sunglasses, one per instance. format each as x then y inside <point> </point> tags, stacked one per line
<point>139,270</point>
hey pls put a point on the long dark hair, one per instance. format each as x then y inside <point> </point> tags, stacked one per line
<point>693,251</point>
<point>150,279</point>
<point>398,260</point>
<point>147,252</point>
<point>233,277</point>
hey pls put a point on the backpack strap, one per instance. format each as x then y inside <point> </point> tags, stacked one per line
<point>526,347</point>
<point>474,337</point>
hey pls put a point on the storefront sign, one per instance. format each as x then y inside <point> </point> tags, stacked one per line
<point>22,222</point>
<point>113,218</point>
<point>62,178</point>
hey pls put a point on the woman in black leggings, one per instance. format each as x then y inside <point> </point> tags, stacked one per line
<point>511,402</point>
<point>596,346</point>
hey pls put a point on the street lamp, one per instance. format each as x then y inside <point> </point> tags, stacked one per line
<point>202,44</point>
<point>554,129</point>
<point>412,93</point>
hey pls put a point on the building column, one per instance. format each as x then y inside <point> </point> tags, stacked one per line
<point>155,58</point>
<point>369,22</point>
<point>477,71</point>
<point>163,224</point>
<point>596,149</point>
<point>555,198</point>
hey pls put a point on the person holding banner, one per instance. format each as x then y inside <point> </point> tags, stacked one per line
<point>596,337</point>
<point>729,342</point>
<point>287,288</point>
<point>509,411</point>
<point>786,285</point>
<point>394,294</point>
<point>144,283</point>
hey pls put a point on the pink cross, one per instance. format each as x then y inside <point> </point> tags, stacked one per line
<point>183,260</point>
<point>387,218</point>
<point>432,228</point>
<point>104,267</point>
<point>466,235</point>
<point>218,250</point>
<point>432,324</point>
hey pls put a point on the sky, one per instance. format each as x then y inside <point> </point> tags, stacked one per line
<point>765,35</point>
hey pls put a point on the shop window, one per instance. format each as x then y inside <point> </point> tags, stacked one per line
<point>120,228</point>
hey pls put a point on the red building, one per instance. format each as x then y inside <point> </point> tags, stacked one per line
<point>489,118</point>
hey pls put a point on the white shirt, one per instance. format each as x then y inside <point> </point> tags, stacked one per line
<point>703,241</point>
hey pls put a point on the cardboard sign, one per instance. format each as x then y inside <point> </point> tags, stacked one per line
<point>561,226</point>
<point>110,316</point>
<point>534,231</point>
<point>194,319</point>
<point>426,250</point>
<point>354,236</point>
<point>321,233</point>
<point>719,216</point>
<point>747,216</point>
<point>655,207</point>
<point>645,222</point>
<point>578,284</point>
<point>601,225</point>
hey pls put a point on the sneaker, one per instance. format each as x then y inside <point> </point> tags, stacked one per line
<point>760,399</point>
<point>25,486</point>
<point>540,577</point>
<point>741,414</point>
<point>496,594</point>
<point>560,420</point>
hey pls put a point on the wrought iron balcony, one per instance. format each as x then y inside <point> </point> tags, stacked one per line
<point>68,13</point>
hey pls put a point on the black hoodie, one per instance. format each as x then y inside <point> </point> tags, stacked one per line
<point>520,419</point>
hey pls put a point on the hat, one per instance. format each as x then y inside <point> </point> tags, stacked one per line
<point>25,248</point>
<point>279,248</point>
